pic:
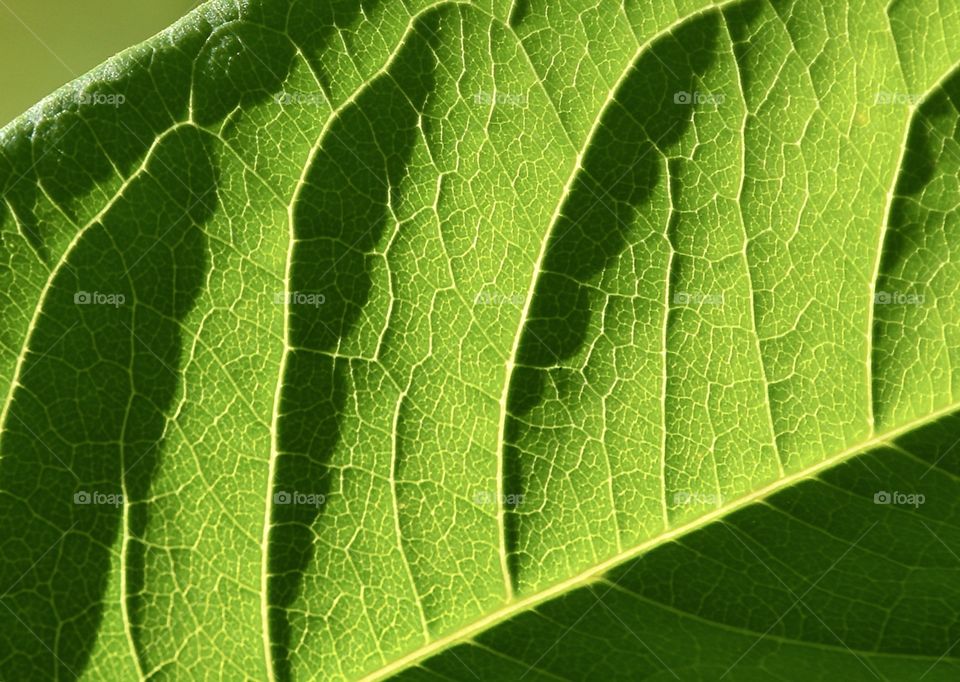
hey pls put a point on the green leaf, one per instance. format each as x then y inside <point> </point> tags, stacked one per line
<point>488,340</point>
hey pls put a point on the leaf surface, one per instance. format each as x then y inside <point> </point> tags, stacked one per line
<point>507,340</point>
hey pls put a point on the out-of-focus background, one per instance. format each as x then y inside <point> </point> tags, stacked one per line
<point>46,43</point>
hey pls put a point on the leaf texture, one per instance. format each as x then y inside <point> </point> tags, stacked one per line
<point>499,340</point>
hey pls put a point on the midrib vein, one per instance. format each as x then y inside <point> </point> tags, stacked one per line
<point>593,574</point>
<point>516,606</point>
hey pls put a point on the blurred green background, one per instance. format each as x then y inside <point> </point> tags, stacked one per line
<point>46,43</point>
